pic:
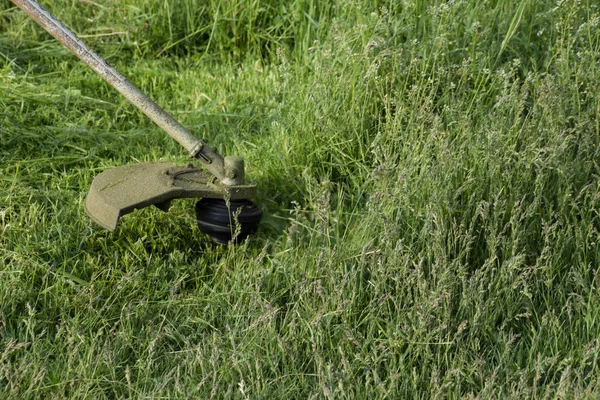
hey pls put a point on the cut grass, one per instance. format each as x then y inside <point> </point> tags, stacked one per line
<point>428,172</point>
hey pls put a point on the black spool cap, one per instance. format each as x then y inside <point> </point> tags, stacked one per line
<point>221,222</point>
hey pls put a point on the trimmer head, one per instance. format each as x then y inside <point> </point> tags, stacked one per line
<point>230,220</point>
<point>121,190</point>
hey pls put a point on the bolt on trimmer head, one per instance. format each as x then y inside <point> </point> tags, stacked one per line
<point>224,211</point>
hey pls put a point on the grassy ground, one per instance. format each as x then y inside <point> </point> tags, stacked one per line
<point>428,170</point>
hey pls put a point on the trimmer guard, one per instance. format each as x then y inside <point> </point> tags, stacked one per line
<point>121,190</point>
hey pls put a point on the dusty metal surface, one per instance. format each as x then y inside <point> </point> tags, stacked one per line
<point>119,191</point>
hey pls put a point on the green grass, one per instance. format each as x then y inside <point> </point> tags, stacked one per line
<point>428,172</point>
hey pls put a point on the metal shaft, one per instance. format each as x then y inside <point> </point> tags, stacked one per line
<point>208,156</point>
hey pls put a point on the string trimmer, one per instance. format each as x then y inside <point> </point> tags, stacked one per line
<point>224,210</point>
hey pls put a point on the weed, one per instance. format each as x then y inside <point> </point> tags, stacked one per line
<point>428,172</point>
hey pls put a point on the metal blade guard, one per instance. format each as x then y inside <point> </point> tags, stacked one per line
<point>121,190</point>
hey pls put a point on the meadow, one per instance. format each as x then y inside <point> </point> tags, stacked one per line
<point>429,176</point>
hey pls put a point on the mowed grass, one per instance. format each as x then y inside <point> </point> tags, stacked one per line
<point>429,177</point>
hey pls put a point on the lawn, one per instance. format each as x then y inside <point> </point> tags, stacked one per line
<point>428,172</point>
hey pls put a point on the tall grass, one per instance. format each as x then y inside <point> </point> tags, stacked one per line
<point>428,172</point>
